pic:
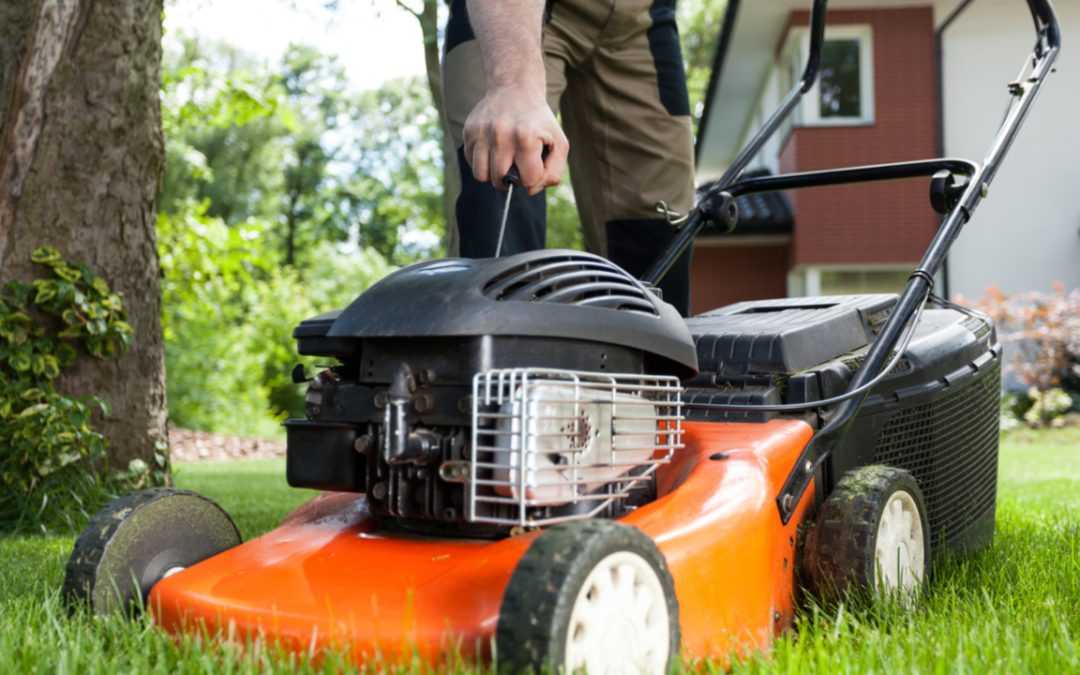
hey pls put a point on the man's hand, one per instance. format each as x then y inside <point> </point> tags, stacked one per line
<point>513,126</point>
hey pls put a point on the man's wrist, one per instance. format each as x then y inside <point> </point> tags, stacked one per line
<point>524,74</point>
<point>521,87</point>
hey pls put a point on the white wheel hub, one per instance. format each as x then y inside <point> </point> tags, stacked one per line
<point>172,570</point>
<point>900,554</point>
<point>619,622</point>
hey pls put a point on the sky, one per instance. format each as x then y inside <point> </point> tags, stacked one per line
<point>374,39</point>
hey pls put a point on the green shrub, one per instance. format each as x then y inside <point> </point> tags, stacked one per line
<point>1048,407</point>
<point>1041,332</point>
<point>332,281</point>
<point>209,271</point>
<point>228,312</point>
<point>54,467</point>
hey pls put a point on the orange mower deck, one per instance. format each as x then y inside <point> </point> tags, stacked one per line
<point>327,579</point>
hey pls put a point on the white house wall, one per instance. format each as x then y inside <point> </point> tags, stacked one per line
<point>1026,234</point>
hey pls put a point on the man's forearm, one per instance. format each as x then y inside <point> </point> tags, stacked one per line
<point>512,125</point>
<point>509,35</point>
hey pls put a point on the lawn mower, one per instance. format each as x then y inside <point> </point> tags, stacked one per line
<point>536,460</point>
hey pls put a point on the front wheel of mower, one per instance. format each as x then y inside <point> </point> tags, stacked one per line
<point>591,596</point>
<point>871,537</point>
<point>139,539</point>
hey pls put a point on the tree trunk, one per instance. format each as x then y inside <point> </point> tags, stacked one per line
<point>428,17</point>
<point>290,232</point>
<point>451,188</point>
<point>81,154</point>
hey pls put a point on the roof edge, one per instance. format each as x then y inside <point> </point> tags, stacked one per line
<point>727,29</point>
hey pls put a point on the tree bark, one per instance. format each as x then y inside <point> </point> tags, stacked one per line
<point>81,154</point>
<point>290,230</point>
<point>429,23</point>
<point>428,17</point>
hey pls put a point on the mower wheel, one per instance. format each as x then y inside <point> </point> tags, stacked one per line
<point>871,536</point>
<point>590,596</point>
<point>139,539</point>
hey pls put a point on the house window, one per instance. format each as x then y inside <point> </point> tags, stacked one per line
<point>844,94</point>
<point>840,93</point>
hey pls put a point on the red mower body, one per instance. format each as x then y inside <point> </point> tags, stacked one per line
<point>326,578</point>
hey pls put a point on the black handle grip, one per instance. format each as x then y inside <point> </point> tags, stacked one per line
<point>513,176</point>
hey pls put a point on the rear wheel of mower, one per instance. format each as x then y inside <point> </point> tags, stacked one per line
<point>870,537</point>
<point>592,596</point>
<point>139,539</point>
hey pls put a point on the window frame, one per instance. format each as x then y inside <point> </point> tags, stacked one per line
<point>796,54</point>
<point>809,280</point>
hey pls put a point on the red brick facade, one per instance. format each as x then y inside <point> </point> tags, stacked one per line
<point>726,274</point>
<point>858,224</point>
<point>883,222</point>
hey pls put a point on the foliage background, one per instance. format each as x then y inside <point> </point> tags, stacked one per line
<point>1041,336</point>
<point>286,195</point>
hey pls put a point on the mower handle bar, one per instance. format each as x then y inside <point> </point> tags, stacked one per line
<point>817,43</point>
<point>1047,29</point>
<point>969,193</point>
<point>1046,22</point>
<point>919,286</point>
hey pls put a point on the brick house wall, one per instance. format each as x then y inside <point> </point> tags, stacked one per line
<point>725,274</point>
<point>883,222</point>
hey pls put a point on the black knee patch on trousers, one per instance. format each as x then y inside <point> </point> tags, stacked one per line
<point>458,28</point>
<point>635,245</point>
<point>479,212</point>
<point>667,54</point>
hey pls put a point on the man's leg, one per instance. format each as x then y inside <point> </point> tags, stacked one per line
<point>479,206</point>
<point>628,119</point>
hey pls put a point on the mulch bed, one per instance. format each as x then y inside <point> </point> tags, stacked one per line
<point>196,446</point>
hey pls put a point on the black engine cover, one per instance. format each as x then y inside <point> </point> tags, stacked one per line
<point>542,294</point>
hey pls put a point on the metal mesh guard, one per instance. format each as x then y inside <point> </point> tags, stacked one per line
<point>544,438</point>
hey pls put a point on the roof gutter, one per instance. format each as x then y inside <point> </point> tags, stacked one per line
<point>723,46</point>
<point>939,63</point>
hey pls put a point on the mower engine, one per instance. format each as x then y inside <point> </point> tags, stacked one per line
<point>490,394</point>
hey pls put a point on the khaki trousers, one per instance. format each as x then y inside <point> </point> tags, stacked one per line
<point>615,74</point>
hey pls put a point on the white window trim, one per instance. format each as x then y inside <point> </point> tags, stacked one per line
<point>798,47</point>
<point>741,241</point>
<point>806,280</point>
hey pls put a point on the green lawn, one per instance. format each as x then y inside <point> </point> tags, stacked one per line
<point>1013,608</point>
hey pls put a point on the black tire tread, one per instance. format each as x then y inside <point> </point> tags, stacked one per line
<point>838,555</point>
<point>538,600</point>
<point>80,573</point>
